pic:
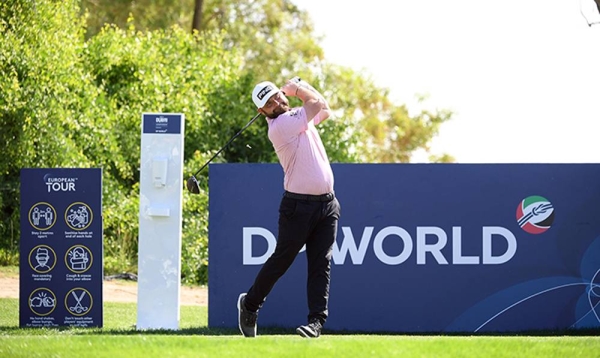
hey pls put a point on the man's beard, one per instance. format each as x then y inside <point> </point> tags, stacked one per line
<point>278,111</point>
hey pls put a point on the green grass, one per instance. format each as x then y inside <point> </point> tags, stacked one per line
<point>119,338</point>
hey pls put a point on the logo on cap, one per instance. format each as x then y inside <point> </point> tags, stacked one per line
<point>263,92</point>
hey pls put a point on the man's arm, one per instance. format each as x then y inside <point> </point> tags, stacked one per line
<point>313,101</point>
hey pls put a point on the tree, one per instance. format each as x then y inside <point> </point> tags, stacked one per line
<point>277,41</point>
<point>41,81</point>
<point>367,125</point>
<point>68,102</point>
<point>274,34</point>
<point>147,15</point>
<point>197,20</point>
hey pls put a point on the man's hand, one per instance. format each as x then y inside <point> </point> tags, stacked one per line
<point>290,88</point>
<point>313,101</point>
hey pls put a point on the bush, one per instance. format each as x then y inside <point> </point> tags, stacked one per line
<point>9,257</point>
<point>68,102</point>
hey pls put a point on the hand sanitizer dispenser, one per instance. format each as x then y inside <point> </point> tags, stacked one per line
<point>159,255</point>
<point>159,172</point>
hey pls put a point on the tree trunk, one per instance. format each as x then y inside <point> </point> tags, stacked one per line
<point>197,21</point>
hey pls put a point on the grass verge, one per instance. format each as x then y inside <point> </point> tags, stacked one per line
<point>119,338</point>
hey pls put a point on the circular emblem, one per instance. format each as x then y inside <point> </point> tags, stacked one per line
<point>535,214</point>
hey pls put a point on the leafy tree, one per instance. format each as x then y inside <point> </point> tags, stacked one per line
<point>67,102</point>
<point>277,41</point>
<point>45,96</point>
<point>275,35</point>
<point>147,15</point>
<point>198,11</point>
<point>367,125</point>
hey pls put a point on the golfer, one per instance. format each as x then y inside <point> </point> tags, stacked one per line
<point>309,211</point>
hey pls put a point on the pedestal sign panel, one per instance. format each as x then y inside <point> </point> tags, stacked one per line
<point>161,205</point>
<point>61,264</point>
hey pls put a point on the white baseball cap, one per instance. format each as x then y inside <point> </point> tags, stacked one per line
<point>262,92</point>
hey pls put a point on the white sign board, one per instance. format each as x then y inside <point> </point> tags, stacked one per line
<point>159,255</point>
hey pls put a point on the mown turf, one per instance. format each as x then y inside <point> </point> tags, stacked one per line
<point>119,338</point>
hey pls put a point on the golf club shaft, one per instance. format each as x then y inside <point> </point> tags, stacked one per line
<point>228,143</point>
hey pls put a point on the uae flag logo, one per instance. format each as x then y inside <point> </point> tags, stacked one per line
<point>535,214</point>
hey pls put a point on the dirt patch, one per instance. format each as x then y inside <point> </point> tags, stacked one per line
<point>113,291</point>
<point>9,287</point>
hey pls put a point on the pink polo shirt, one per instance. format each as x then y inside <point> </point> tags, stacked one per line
<point>301,153</point>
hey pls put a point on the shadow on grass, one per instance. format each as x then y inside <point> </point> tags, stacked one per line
<point>536,333</point>
<point>190,331</point>
<point>206,331</point>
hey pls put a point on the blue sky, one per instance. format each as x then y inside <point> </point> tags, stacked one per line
<point>522,77</point>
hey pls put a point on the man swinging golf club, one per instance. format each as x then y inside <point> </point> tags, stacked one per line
<point>309,211</point>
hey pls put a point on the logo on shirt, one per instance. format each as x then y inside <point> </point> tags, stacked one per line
<point>263,92</point>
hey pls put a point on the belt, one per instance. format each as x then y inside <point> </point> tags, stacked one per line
<point>306,197</point>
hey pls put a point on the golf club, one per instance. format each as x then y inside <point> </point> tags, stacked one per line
<point>192,183</point>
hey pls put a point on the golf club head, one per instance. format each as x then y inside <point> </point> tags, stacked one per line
<point>192,185</point>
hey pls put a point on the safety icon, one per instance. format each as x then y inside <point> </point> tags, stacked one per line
<point>78,258</point>
<point>78,301</point>
<point>78,216</point>
<point>42,301</point>
<point>42,216</point>
<point>42,258</point>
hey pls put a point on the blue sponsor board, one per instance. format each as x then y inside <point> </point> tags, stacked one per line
<point>61,262</point>
<point>422,247</point>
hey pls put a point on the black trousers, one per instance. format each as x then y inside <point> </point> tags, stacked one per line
<point>301,222</point>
